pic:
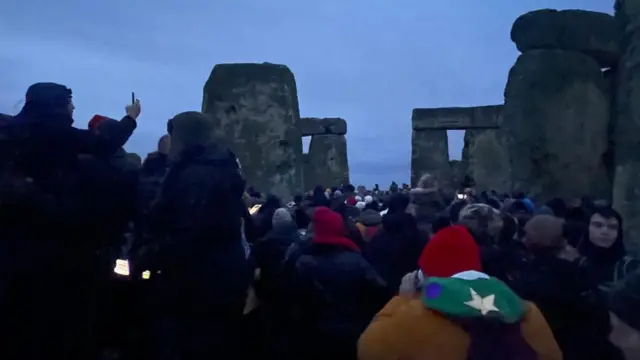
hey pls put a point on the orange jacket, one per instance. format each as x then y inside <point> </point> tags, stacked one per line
<point>406,330</point>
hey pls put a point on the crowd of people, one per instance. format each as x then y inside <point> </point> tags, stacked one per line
<point>215,268</point>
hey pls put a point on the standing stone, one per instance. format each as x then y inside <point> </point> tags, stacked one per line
<point>255,109</point>
<point>458,171</point>
<point>327,161</point>
<point>487,159</point>
<point>626,189</point>
<point>556,110</point>
<point>430,154</point>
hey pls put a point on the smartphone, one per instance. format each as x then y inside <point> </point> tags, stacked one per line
<point>133,98</point>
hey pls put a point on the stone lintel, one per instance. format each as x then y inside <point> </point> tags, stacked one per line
<point>457,118</point>
<point>322,126</point>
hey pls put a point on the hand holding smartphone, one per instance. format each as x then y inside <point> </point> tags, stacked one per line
<point>133,109</point>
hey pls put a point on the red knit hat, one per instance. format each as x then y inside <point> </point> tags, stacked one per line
<point>95,120</point>
<point>351,201</point>
<point>450,251</point>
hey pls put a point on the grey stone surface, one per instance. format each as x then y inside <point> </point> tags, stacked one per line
<point>456,118</point>
<point>326,162</point>
<point>626,188</point>
<point>430,153</point>
<point>592,33</point>
<point>255,109</point>
<point>487,159</point>
<point>319,126</point>
<point>556,115</point>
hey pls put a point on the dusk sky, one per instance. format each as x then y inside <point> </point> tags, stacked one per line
<point>368,61</point>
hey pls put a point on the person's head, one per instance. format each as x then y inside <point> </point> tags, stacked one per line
<point>348,189</point>
<point>428,181</point>
<point>164,144</point>
<point>604,227</point>
<point>558,206</point>
<point>189,129</point>
<point>544,234</point>
<point>398,203</point>
<point>135,160</point>
<point>483,221</point>
<point>281,216</point>
<point>48,102</point>
<point>450,251</point>
<point>95,121</point>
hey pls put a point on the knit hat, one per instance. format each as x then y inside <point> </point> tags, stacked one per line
<point>280,216</point>
<point>482,220</point>
<point>95,120</point>
<point>351,201</point>
<point>450,251</point>
<point>544,232</point>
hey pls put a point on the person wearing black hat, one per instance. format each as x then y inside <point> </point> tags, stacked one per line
<point>51,219</point>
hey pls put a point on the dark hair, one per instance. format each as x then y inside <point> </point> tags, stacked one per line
<point>494,203</point>
<point>440,223</point>
<point>508,231</point>
<point>518,206</point>
<point>398,203</point>
<point>349,188</point>
<point>577,214</point>
<point>614,253</point>
<point>558,206</point>
<point>454,211</point>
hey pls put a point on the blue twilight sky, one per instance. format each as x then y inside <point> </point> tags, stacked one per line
<point>368,61</point>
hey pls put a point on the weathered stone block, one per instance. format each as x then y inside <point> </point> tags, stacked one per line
<point>327,163</point>
<point>319,126</point>
<point>592,33</point>
<point>487,158</point>
<point>556,113</point>
<point>255,109</point>
<point>456,118</point>
<point>430,153</point>
<point>626,188</point>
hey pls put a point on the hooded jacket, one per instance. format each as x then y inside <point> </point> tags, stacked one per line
<point>337,289</point>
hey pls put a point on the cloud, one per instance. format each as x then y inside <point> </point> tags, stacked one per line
<point>368,61</point>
